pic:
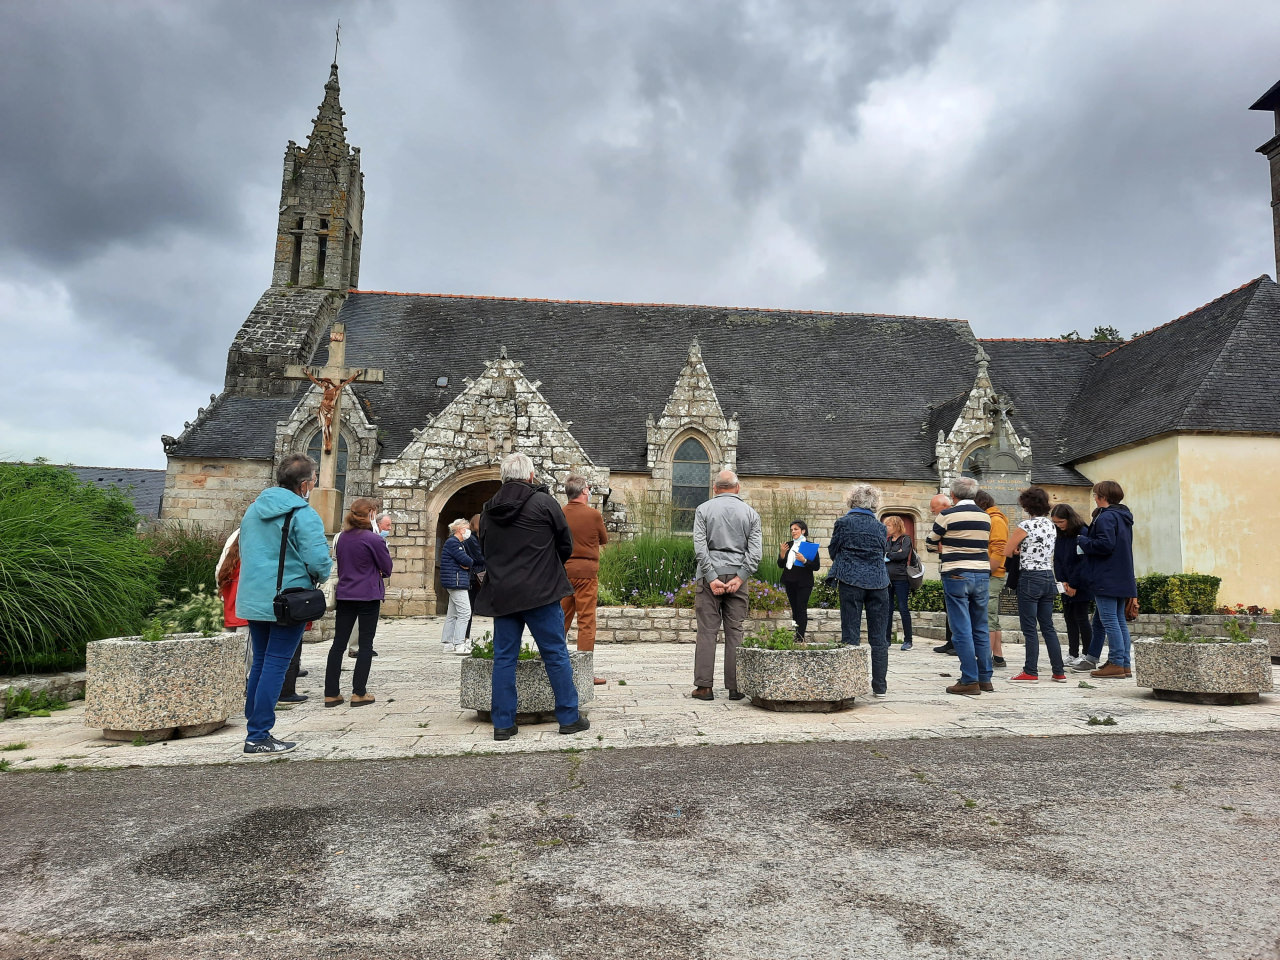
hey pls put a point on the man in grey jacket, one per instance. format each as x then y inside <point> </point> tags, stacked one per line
<point>727,543</point>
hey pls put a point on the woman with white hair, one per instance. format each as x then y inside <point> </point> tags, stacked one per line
<point>857,547</point>
<point>455,577</point>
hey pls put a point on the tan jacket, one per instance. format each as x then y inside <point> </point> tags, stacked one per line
<point>589,535</point>
<point>999,536</point>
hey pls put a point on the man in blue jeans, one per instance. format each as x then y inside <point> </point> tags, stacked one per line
<point>961,535</point>
<point>525,541</point>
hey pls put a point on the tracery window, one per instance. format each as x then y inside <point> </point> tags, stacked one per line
<point>313,451</point>
<point>690,483</point>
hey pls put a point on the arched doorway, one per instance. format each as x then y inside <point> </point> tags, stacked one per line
<point>466,503</point>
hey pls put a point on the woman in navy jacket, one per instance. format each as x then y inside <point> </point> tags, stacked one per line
<point>455,576</point>
<point>1068,570</point>
<point>1107,548</point>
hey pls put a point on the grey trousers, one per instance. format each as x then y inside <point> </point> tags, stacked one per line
<point>729,610</point>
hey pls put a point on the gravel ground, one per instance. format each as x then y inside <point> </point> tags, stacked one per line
<point>1112,847</point>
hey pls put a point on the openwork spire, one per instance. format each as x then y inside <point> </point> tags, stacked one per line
<point>328,136</point>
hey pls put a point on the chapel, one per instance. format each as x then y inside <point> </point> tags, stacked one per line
<point>651,400</point>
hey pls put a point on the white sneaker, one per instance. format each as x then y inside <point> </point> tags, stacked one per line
<point>446,648</point>
<point>462,649</point>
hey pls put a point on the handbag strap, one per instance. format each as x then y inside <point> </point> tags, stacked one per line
<point>284,542</point>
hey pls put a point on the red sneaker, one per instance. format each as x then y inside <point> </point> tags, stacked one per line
<point>1025,677</point>
<point>1059,678</point>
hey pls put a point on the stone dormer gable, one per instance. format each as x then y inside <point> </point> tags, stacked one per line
<point>360,434</point>
<point>501,412</point>
<point>693,408</point>
<point>983,430</point>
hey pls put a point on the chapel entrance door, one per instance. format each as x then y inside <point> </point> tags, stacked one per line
<point>464,504</point>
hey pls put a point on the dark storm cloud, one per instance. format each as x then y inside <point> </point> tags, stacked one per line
<point>1029,167</point>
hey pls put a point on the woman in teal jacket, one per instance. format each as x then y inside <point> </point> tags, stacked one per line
<point>306,562</point>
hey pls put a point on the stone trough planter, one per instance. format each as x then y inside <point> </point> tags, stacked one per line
<point>185,685</point>
<point>1269,631</point>
<point>535,702</point>
<point>805,680</point>
<point>1222,673</point>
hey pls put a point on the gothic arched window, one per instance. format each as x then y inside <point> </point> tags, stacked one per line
<point>313,451</point>
<point>690,483</point>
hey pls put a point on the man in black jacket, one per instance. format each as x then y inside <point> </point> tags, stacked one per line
<point>525,540</point>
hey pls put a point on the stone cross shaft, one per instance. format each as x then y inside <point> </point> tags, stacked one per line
<point>332,379</point>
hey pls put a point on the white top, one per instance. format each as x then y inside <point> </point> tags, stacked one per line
<point>1036,550</point>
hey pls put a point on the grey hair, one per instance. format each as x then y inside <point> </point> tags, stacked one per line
<point>964,488</point>
<point>453,527</point>
<point>726,480</point>
<point>863,495</point>
<point>294,471</point>
<point>516,466</point>
<point>574,486</point>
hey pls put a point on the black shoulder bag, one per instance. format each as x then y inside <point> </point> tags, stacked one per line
<point>297,604</point>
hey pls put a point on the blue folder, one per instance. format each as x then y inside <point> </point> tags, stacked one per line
<point>809,550</point>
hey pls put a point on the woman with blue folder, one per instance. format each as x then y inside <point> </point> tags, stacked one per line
<point>798,559</point>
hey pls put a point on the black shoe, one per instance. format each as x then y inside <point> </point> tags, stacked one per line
<point>303,673</point>
<point>293,698</point>
<point>736,694</point>
<point>998,662</point>
<point>945,648</point>
<point>505,733</point>
<point>582,724</point>
<point>269,745</point>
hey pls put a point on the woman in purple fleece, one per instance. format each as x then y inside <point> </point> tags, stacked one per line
<point>364,563</point>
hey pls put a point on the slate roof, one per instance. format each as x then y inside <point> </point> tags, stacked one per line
<point>810,389</point>
<point>1216,369</point>
<point>238,427</point>
<point>1040,377</point>
<point>143,487</point>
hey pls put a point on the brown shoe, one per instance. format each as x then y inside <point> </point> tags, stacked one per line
<point>361,699</point>
<point>1109,671</point>
<point>987,687</point>
<point>702,693</point>
<point>965,689</point>
<point>334,701</point>
<point>1128,672</point>
<point>599,681</point>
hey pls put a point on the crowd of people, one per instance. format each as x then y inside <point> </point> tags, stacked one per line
<point>530,563</point>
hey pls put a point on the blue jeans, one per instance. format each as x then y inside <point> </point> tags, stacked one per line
<point>902,597</point>
<point>876,601</point>
<point>1098,636</point>
<point>966,594</point>
<point>1119,644</point>
<point>546,624</point>
<point>273,647</point>
<point>1036,590</point>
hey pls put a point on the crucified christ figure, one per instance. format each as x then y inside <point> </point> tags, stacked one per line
<point>328,403</point>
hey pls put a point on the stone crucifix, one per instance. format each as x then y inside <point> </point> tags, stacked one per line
<point>332,379</point>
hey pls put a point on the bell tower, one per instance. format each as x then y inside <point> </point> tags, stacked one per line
<point>321,205</point>
<point>1271,150</point>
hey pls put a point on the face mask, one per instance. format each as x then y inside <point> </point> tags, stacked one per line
<point>384,534</point>
<point>466,534</point>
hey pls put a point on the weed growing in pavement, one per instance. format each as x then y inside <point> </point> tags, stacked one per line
<point>1229,809</point>
<point>1176,785</point>
<point>21,745</point>
<point>24,703</point>
<point>622,683</point>
<point>1086,685</point>
<point>139,741</point>
<point>498,918</point>
<point>1107,721</point>
<point>59,768</point>
<point>423,726</point>
<point>4,765</point>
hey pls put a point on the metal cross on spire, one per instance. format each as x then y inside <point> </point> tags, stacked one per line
<point>337,40</point>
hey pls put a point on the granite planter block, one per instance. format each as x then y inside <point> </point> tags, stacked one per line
<point>805,679</point>
<point>1270,632</point>
<point>534,700</point>
<point>1224,673</point>
<point>185,684</point>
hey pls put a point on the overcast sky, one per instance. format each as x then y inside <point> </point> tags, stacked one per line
<point>1028,167</point>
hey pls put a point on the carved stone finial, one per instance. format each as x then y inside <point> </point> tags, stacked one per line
<point>695,351</point>
<point>502,352</point>
<point>169,443</point>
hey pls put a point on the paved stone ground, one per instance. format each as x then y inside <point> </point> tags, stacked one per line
<point>1034,848</point>
<point>417,712</point>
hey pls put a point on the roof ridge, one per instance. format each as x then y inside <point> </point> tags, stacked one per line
<point>1202,306</point>
<point>1034,340</point>
<point>629,303</point>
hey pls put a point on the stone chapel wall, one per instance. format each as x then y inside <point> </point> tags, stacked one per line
<point>213,493</point>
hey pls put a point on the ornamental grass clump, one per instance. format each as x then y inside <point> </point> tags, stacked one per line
<point>195,611</point>
<point>72,568</point>
<point>188,554</point>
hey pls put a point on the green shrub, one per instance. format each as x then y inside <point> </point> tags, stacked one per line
<point>24,703</point>
<point>928,598</point>
<point>188,554</point>
<point>782,638</point>
<point>72,568</point>
<point>645,566</point>
<point>760,596</point>
<point>1179,593</point>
